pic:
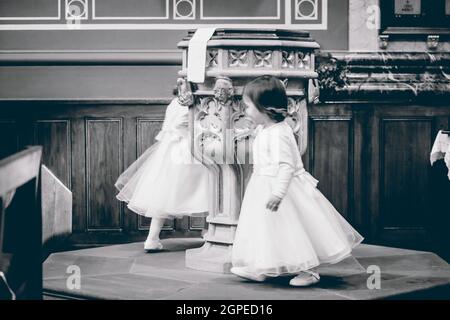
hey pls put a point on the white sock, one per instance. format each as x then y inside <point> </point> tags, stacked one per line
<point>155,228</point>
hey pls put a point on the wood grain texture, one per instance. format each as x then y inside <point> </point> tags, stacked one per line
<point>78,129</point>
<point>104,164</point>
<point>331,161</point>
<point>147,129</point>
<point>405,171</point>
<point>371,161</point>
<point>54,137</point>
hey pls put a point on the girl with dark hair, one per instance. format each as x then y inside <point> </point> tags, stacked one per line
<point>286,225</point>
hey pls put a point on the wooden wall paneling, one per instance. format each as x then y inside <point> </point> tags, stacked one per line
<point>197,223</point>
<point>54,136</point>
<point>360,168</point>
<point>26,129</point>
<point>188,227</point>
<point>405,144</point>
<point>331,159</point>
<point>104,163</point>
<point>373,208</point>
<point>78,136</point>
<point>9,141</point>
<point>147,129</point>
<point>130,219</point>
<point>306,156</point>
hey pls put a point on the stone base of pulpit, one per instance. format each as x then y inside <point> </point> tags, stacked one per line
<point>212,257</point>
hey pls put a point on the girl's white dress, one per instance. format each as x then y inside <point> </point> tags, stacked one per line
<point>165,181</point>
<point>305,231</point>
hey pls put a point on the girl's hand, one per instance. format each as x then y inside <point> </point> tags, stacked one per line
<point>273,203</point>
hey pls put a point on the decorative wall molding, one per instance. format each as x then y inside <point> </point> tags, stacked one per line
<point>177,15</point>
<point>179,6</point>
<point>273,17</point>
<point>76,10</point>
<point>57,16</point>
<point>95,15</point>
<point>376,75</point>
<point>84,102</point>
<point>94,57</point>
<point>306,9</point>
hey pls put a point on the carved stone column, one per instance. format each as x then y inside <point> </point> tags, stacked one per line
<point>221,134</point>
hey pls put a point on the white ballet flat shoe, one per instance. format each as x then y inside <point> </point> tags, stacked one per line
<point>153,245</point>
<point>304,279</point>
<point>245,273</point>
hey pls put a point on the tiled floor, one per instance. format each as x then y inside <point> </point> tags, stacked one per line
<point>127,272</point>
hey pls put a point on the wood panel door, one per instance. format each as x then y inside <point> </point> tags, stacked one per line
<point>402,201</point>
<point>405,144</point>
<point>335,158</point>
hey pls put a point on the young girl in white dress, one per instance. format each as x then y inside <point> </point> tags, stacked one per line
<point>286,226</point>
<point>165,182</point>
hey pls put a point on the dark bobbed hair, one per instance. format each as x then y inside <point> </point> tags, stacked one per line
<point>269,96</point>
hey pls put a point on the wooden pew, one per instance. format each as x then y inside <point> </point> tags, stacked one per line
<point>56,204</point>
<point>21,225</point>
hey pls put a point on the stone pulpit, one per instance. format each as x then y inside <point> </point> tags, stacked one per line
<point>221,134</point>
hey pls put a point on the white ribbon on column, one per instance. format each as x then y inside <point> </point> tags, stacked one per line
<point>197,54</point>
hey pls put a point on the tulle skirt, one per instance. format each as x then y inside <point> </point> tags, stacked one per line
<point>305,232</point>
<point>165,182</point>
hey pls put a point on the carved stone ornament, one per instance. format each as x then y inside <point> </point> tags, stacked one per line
<point>224,90</point>
<point>263,59</point>
<point>238,58</point>
<point>212,58</point>
<point>332,74</point>
<point>185,96</point>
<point>433,42</point>
<point>288,59</point>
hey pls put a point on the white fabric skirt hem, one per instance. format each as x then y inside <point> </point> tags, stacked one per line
<point>277,271</point>
<point>305,232</point>
<point>285,270</point>
<point>158,213</point>
<point>161,184</point>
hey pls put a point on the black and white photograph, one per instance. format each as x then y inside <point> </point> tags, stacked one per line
<point>235,152</point>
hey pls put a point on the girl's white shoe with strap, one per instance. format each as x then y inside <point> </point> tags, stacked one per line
<point>305,279</point>
<point>153,245</point>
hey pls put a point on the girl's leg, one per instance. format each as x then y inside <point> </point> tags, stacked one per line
<point>152,242</point>
<point>155,228</point>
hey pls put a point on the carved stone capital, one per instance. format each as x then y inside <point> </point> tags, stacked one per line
<point>432,42</point>
<point>224,90</point>
<point>332,74</point>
